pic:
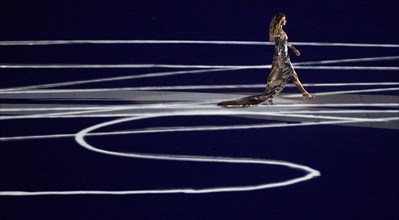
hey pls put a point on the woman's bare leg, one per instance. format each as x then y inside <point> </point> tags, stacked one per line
<point>299,85</point>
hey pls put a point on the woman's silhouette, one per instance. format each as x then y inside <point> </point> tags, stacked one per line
<point>282,70</point>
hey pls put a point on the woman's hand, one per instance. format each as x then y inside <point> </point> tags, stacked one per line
<point>297,53</point>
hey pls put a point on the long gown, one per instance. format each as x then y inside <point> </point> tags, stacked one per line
<point>281,72</point>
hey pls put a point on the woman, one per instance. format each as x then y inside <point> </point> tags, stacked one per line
<point>282,70</point>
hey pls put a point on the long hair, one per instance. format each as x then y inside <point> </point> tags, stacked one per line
<point>275,26</point>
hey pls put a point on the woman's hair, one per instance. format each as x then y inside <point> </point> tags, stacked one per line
<point>275,26</point>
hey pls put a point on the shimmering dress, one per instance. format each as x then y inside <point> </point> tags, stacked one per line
<point>281,72</point>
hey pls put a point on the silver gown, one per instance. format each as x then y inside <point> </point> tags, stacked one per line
<point>281,72</point>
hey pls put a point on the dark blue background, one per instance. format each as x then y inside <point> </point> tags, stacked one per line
<point>335,21</point>
<point>358,165</point>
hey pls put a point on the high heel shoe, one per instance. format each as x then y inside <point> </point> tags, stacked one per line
<point>307,96</point>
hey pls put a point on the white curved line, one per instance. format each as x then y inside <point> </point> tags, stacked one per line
<point>188,104</point>
<point>343,44</point>
<point>348,92</point>
<point>357,91</point>
<point>298,114</point>
<point>203,128</point>
<point>350,84</point>
<point>108,79</point>
<point>55,66</point>
<point>176,66</point>
<point>90,66</point>
<point>365,59</point>
<point>310,172</point>
<point>67,114</point>
<point>193,87</point>
<point>54,42</point>
<point>198,112</point>
<point>155,106</point>
<point>81,114</point>
<point>383,68</point>
<point>167,74</point>
<point>113,115</point>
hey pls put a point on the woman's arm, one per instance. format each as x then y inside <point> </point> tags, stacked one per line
<point>294,49</point>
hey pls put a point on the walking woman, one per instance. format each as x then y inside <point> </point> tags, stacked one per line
<point>282,70</point>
